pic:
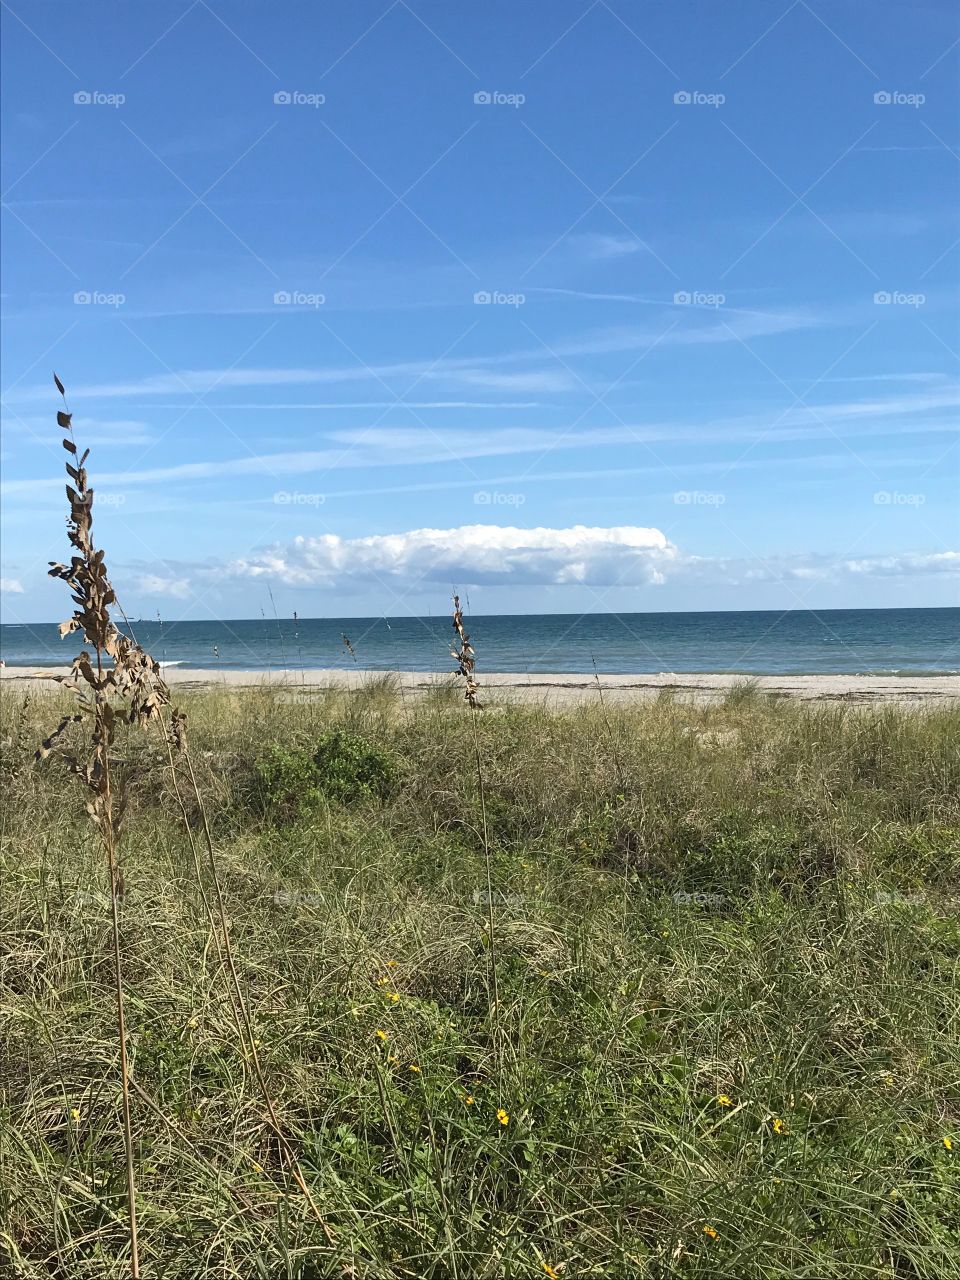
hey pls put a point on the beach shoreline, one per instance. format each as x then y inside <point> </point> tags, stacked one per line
<point>553,688</point>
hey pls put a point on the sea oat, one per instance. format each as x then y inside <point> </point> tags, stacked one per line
<point>130,691</point>
<point>466,658</point>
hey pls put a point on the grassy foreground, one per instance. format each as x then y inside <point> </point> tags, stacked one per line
<point>726,943</point>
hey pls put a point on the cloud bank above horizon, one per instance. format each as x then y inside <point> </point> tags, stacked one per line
<point>494,555</point>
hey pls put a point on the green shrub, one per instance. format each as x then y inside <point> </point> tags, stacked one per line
<point>289,784</point>
<point>350,768</point>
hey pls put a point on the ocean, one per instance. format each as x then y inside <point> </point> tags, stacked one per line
<point>831,641</point>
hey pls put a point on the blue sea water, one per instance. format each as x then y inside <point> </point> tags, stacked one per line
<point>841,641</point>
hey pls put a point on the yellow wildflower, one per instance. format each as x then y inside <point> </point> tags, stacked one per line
<point>711,1232</point>
<point>392,1057</point>
<point>75,1114</point>
<point>381,1035</point>
<point>554,1275</point>
<point>503,1117</point>
<point>948,1143</point>
<point>391,964</point>
<point>724,1101</point>
<point>779,1126</point>
<point>414,1068</point>
<point>393,995</point>
<point>469,1100</point>
<point>193,1023</point>
<point>382,982</point>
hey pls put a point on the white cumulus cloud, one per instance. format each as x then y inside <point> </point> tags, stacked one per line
<point>11,586</point>
<point>433,561</point>
<point>493,555</point>
<point>470,555</point>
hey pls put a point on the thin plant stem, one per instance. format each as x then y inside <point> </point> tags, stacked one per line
<point>251,1045</point>
<point>115,889</point>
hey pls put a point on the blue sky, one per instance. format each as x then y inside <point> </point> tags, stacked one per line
<point>573,306</point>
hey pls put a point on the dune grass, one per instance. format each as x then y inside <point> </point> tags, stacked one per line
<point>727,945</point>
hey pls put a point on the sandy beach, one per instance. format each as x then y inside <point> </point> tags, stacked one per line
<point>557,689</point>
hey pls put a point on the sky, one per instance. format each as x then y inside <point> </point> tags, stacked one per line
<point>573,307</point>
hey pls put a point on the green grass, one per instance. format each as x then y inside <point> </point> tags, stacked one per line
<point>727,945</point>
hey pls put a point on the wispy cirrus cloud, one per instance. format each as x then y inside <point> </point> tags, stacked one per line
<point>929,410</point>
<point>679,326</point>
<point>94,431</point>
<point>599,247</point>
<point>534,382</point>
